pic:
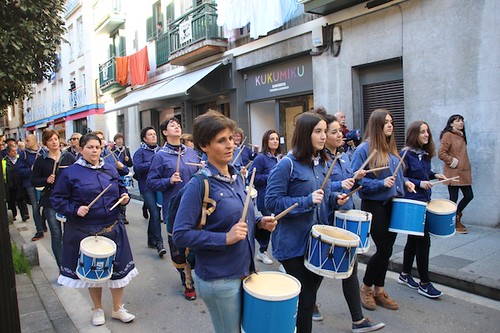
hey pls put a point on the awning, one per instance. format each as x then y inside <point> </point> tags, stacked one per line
<point>134,98</point>
<point>180,85</point>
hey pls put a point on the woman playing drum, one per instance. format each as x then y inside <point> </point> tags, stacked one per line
<point>263,163</point>
<point>418,171</point>
<point>298,178</point>
<point>379,188</point>
<point>77,187</point>
<point>46,170</point>
<point>343,180</point>
<point>224,248</point>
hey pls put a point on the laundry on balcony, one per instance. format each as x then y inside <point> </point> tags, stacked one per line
<point>263,15</point>
<point>139,66</point>
<point>122,70</point>
<point>135,67</point>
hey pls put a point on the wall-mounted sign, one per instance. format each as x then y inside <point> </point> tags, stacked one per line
<point>282,78</point>
<point>185,31</point>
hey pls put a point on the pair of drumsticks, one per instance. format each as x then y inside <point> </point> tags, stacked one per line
<point>101,194</point>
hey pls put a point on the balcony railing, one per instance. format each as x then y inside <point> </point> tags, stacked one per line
<point>162,49</point>
<point>203,27</point>
<point>108,15</point>
<point>107,76</point>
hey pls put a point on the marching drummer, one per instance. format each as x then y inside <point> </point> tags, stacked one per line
<point>421,149</point>
<point>379,188</point>
<point>224,247</point>
<point>298,178</point>
<point>85,194</point>
<point>343,180</point>
<point>169,173</point>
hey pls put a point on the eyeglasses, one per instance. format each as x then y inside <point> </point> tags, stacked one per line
<point>73,139</point>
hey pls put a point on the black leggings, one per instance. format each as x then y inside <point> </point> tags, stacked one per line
<point>350,288</point>
<point>307,298</point>
<point>376,269</point>
<point>419,246</point>
<point>467,193</point>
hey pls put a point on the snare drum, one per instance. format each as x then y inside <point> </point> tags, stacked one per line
<point>273,298</point>
<point>441,214</point>
<point>408,217</point>
<point>331,251</point>
<point>357,222</point>
<point>95,262</point>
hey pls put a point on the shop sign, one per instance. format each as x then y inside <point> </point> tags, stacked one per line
<point>279,79</point>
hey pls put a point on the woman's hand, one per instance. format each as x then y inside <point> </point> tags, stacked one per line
<point>237,233</point>
<point>175,178</point>
<point>317,196</point>
<point>348,183</point>
<point>82,211</point>
<point>267,223</point>
<point>440,176</point>
<point>410,187</point>
<point>359,174</point>
<point>389,181</point>
<point>119,165</point>
<point>51,179</point>
<point>124,199</point>
<point>342,199</point>
<point>425,184</point>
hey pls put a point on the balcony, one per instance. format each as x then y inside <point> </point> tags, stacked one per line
<point>107,77</point>
<point>108,16</point>
<point>71,7</point>
<point>162,49</point>
<point>325,7</point>
<point>194,36</point>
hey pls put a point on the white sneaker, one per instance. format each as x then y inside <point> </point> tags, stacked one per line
<point>123,315</point>
<point>98,317</point>
<point>262,256</point>
<point>282,269</point>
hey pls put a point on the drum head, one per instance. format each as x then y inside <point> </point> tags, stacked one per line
<point>334,235</point>
<point>98,247</point>
<point>272,286</point>
<point>441,207</point>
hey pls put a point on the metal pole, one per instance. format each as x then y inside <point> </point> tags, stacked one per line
<point>9,311</point>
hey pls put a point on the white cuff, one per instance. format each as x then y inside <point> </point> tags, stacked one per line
<point>454,163</point>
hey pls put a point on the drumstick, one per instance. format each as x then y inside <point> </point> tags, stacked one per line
<point>242,144</point>
<point>108,155</point>
<point>117,203</point>
<point>99,195</point>
<point>377,169</point>
<point>400,162</point>
<point>365,163</point>
<point>178,161</point>
<point>286,211</point>
<point>247,200</point>
<point>248,165</point>
<point>54,167</point>
<point>327,177</point>
<point>453,179</point>
<point>353,191</point>
<point>114,156</point>
<point>238,156</point>
<point>194,164</point>
<point>63,166</point>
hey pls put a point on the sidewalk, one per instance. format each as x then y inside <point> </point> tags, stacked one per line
<point>466,262</point>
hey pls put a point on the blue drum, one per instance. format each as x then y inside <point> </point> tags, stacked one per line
<point>95,262</point>
<point>128,181</point>
<point>441,214</point>
<point>61,218</point>
<point>358,222</point>
<point>408,217</point>
<point>270,302</point>
<point>331,251</point>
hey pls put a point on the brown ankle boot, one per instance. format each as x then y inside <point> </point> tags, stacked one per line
<point>459,227</point>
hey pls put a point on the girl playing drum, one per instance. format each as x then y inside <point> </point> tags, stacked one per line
<point>379,188</point>
<point>418,171</point>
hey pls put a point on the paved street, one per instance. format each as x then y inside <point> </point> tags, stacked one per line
<point>156,298</point>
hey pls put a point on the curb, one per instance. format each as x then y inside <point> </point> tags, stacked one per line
<point>467,282</point>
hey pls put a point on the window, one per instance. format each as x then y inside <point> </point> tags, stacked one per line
<point>79,39</point>
<point>71,43</point>
<point>155,25</point>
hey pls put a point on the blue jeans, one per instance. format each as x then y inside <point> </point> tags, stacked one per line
<point>223,298</point>
<point>35,208</point>
<point>55,233</point>
<point>154,226</point>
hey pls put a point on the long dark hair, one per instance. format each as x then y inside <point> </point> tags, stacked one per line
<point>265,142</point>
<point>302,147</point>
<point>448,127</point>
<point>412,134</point>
